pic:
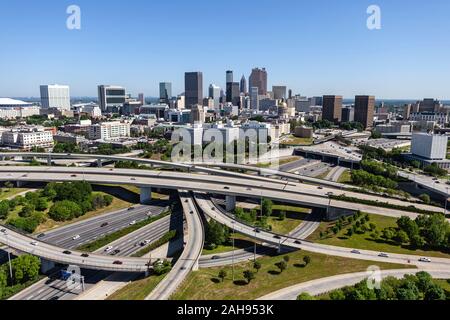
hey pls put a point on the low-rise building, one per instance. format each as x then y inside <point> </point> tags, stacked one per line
<point>28,138</point>
<point>109,130</point>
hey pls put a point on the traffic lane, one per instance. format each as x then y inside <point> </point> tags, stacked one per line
<point>318,248</point>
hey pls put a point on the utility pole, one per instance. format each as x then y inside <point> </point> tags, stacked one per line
<point>233,250</point>
<point>9,259</point>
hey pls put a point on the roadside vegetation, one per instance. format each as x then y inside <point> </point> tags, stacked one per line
<point>426,236</point>
<point>25,272</point>
<point>254,280</point>
<point>59,202</point>
<point>169,236</point>
<point>420,286</point>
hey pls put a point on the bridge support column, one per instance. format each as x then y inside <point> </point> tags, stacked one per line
<point>195,267</point>
<point>99,163</point>
<point>230,203</point>
<point>146,195</point>
<point>46,265</point>
<point>49,161</point>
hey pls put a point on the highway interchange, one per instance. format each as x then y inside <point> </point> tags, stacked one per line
<point>89,230</point>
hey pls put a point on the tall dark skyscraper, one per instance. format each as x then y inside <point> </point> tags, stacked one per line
<point>230,77</point>
<point>229,85</point>
<point>258,79</point>
<point>165,92</point>
<point>365,110</point>
<point>233,93</point>
<point>193,86</point>
<point>332,108</point>
<point>290,94</point>
<point>243,85</point>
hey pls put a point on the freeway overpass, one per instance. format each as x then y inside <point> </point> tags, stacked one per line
<point>56,254</point>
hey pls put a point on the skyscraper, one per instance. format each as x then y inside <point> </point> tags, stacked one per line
<point>233,93</point>
<point>258,79</point>
<point>279,92</point>
<point>193,84</point>
<point>165,92</point>
<point>332,108</point>
<point>111,98</point>
<point>230,77</point>
<point>429,105</point>
<point>365,110</point>
<point>141,98</point>
<point>55,96</point>
<point>243,85</point>
<point>254,98</point>
<point>214,93</point>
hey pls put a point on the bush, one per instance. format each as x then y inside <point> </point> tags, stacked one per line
<point>65,211</point>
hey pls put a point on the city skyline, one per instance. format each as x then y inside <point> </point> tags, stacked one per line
<point>296,52</point>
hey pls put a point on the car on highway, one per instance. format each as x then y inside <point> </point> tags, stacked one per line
<point>76,237</point>
<point>34,243</point>
<point>130,208</point>
<point>132,223</point>
<point>118,262</point>
<point>144,243</point>
<point>356,251</point>
<point>108,249</point>
<point>383,255</point>
<point>428,260</point>
<point>320,188</point>
<point>215,258</point>
<point>297,242</point>
<point>3,231</point>
<point>73,175</point>
<point>85,255</point>
<point>149,214</point>
<point>115,252</point>
<point>226,188</point>
<point>192,212</point>
<point>67,252</point>
<point>105,224</point>
<point>41,235</point>
<point>277,237</point>
<point>257,230</point>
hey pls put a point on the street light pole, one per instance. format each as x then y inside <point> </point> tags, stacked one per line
<point>233,249</point>
<point>446,202</point>
<point>9,258</point>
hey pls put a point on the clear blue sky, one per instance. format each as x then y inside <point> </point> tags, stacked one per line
<point>314,47</point>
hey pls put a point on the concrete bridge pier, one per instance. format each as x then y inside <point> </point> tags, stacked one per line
<point>230,203</point>
<point>49,161</point>
<point>195,267</point>
<point>46,265</point>
<point>146,195</point>
<point>99,163</point>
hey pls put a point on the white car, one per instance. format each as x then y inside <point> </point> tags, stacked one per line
<point>132,223</point>
<point>34,243</point>
<point>428,260</point>
<point>383,255</point>
<point>76,237</point>
<point>109,249</point>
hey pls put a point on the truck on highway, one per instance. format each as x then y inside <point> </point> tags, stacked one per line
<point>65,275</point>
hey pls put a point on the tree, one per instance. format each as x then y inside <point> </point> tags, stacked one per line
<point>425,198</point>
<point>25,268</point>
<point>282,265</point>
<point>27,211</point>
<point>267,207</point>
<point>9,185</point>
<point>41,204</point>
<point>402,237</point>
<point>257,266</point>
<point>65,210</point>
<point>286,259</point>
<point>282,216</point>
<point>4,209</point>
<point>216,233</point>
<point>337,295</point>
<point>249,276</point>
<point>304,296</point>
<point>307,260</point>
<point>435,292</point>
<point>222,275</point>
<point>161,267</point>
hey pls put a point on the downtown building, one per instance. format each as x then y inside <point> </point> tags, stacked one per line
<point>258,79</point>
<point>193,84</point>
<point>109,130</point>
<point>111,98</point>
<point>365,110</point>
<point>55,97</point>
<point>332,108</point>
